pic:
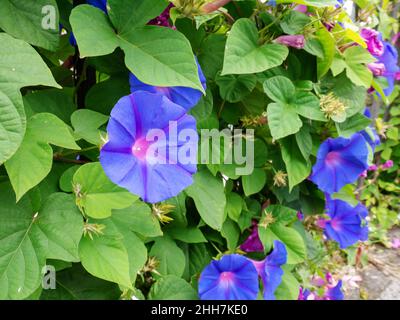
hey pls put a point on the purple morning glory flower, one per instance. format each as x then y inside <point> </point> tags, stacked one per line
<point>147,150</point>
<point>390,59</point>
<point>378,69</point>
<point>163,19</point>
<point>346,225</point>
<point>296,41</point>
<point>253,242</point>
<point>334,293</point>
<point>340,161</point>
<point>374,41</point>
<point>233,277</point>
<point>270,269</point>
<point>185,97</point>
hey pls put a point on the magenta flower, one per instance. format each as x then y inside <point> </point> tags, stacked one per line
<point>233,277</point>
<point>270,269</point>
<point>346,224</point>
<point>296,41</point>
<point>253,242</point>
<point>148,151</point>
<point>300,215</point>
<point>377,68</point>
<point>373,40</point>
<point>388,164</point>
<point>373,167</point>
<point>163,19</point>
<point>340,161</point>
<point>301,8</point>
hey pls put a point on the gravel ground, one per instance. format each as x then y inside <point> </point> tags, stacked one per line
<point>380,279</point>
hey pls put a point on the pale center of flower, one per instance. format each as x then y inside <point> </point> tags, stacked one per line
<point>226,277</point>
<point>139,149</point>
<point>335,223</point>
<point>333,158</point>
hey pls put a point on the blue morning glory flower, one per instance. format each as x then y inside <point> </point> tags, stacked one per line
<point>390,59</point>
<point>101,4</point>
<point>370,135</point>
<point>234,277</point>
<point>334,293</point>
<point>151,148</point>
<point>340,161</point>
<point>346,224</point>
<point>270,269</point>
<point>185,97</point>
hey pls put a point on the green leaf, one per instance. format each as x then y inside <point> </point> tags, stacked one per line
<point>20,66</point>
<point>280,89</point>
<point>352,125</point>
<point>31,22</point>
<point>137,251</point>
<point>86,124</point>
<point>281,214</point>
<point>208,194</point>
<point>93,31</point>
<point>55,101</point>
<point>289,287</point>
<point>106,257</point>
<point>33,160</point>
<point>139,218</point>
<point>172,288</point>
<point>354,61</point>
<point>298,168</point>
<point>254,182</point>
<point>230,231</point>
<point>176,65</point>
<point>186,234</point>
<point>103,96</point>
<point>234,88</point>
<point>283,115</point>
<point>328,47</point>
<point>283,120</point>
<point>234,206</point>
<point>294,22</point>
<point>96,194</point>
<point>127,14</point>
<point>62,223</point>
<point>293,241</point>
<point>243,55</point>
<point>172,259</point>
<point>76,284</point>
<point>308,106</point>
<point>28,236</point>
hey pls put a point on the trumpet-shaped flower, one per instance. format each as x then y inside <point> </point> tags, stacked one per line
<point>390,59</point>
<point>253,242</point>
<point>340,161</point>
<point>183,96</point>
<point>270,269</point>
<point>151,148</point>
<point>346,224</point>
<point>233,277</point>
<point>374,41</point>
